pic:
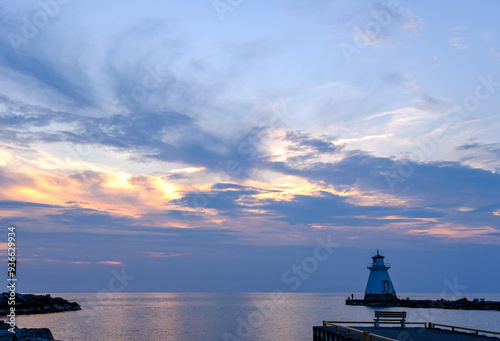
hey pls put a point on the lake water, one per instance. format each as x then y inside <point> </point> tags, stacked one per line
<point>232,316</point>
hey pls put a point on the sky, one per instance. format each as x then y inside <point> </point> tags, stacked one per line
<point>236,145</point>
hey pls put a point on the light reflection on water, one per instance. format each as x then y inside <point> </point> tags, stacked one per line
<point>207,316</point>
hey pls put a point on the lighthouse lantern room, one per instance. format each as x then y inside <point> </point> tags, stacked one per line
<point>379,286</point>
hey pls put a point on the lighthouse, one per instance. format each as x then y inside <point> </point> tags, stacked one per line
<point>379,286</point>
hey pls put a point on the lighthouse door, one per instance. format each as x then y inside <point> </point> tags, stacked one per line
<point>386,286</point>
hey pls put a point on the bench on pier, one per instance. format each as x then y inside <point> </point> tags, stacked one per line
<point>389,317</point>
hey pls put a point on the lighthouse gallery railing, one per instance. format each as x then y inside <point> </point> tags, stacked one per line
<point>377,265</point>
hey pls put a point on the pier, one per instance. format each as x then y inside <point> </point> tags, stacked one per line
<point>462,303</point>
<point>343,330</point>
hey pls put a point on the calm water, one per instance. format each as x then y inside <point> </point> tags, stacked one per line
<point>210,316</point>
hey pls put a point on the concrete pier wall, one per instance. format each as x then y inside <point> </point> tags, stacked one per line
<point>321,333</point>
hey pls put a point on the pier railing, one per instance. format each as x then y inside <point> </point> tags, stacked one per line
<point>364,335</point>
<point>424,324</point>
<point>454,328</point>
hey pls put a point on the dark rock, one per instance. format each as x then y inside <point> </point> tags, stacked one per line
<point>36,304</point>
<point>5,335</point>
<point>34,334</point>
<point>24,334</point>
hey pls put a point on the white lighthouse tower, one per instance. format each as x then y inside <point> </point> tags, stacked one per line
<point>379,286</point>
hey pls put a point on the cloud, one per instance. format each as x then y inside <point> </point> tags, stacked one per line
<point>482,155</point>
<point>3,248</point>
<point>301,142</point>
<point>458,28</point>
<point>495,53</point>
<point>325,208</point>
<point>163,254</point>
<point>458,43</point>
<point>30,60</point>
<point>224,198</point>
<point>52,260</point>
<point>405,82</point>
<point>412,23</point>
<point>108,262</point>
<point>453,231</point>
<point>8,204</point>
<point>319,163</point>
<point>433,190</point>
<point>380,23</point>
<point>342,141</point>
<point>163,136</point>
<point>488,36</point>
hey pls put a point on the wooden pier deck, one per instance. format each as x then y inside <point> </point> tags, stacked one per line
<point>423,334</point>
<point>427,332</point>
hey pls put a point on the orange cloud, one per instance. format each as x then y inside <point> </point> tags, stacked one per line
<point>454,231</point>
<point>187,170</point>
<point>108,262</point>
<point>3,249</point>
<point>119,193</point>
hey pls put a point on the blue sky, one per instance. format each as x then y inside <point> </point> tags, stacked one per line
<point>211,145</point>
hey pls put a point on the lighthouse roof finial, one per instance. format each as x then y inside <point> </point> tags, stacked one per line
<point>377,253</point>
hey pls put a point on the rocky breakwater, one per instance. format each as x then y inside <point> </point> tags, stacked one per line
<point>36,304</point>
<point>463,303</point>
<point>24,334</point>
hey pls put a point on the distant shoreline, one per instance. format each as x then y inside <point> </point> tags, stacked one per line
<point>461,304</point>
